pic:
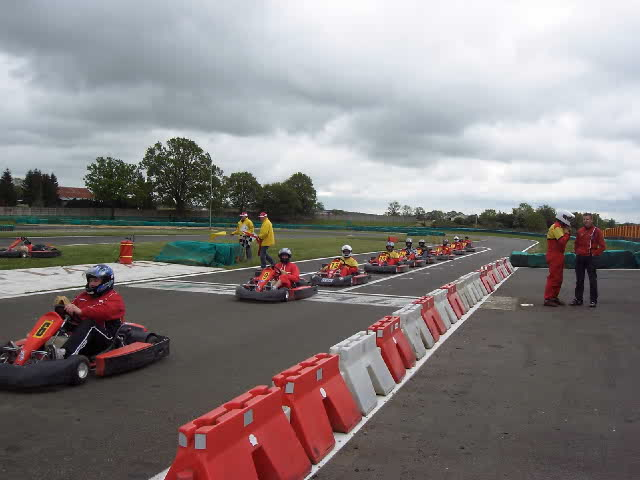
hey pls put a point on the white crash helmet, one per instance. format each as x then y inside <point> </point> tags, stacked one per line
<point>408,241</point>
<point>565,216</point>
<point>421,242</point>
<point>346,250</point>
<point>390,244</point>
<point>285,251</point>
<point>456,238</point>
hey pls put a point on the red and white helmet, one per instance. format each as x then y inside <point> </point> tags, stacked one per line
<point>244,214</point>
<point>262,214</point>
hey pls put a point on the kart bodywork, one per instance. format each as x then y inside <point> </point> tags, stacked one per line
<point>261,288</point>
<point>337,274</point>
<point>383,263</point>
<point>23,248</point>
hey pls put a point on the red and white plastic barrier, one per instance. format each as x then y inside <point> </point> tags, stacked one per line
<point>394,346</point>
<point>320,403</point>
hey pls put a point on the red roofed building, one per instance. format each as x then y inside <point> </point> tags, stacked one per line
<point>73,193</point>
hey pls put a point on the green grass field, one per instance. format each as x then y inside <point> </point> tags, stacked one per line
<point>302,248</point>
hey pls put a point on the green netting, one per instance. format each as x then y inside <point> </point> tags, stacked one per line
<point>623,245</point>
<point>609,259</point>
<point>200,253</point>
<point>7,228</point>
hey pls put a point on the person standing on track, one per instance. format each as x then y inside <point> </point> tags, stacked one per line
<point>589,245</point>
<point>245,226</point>
<point>557,238</point>
<point>267,239</point>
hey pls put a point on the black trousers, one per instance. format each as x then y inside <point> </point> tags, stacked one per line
<point>265,258</point>
<point>586,263</point>
<point>89,339</point>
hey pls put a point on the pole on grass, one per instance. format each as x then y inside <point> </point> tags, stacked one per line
<point>210,191</point>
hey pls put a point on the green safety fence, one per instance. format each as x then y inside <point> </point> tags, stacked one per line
<point>200,253</point>
<point>7,228</point>
<point>608,259</point>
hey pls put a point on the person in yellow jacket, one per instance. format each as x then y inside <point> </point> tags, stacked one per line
<point>347,260</point>
<point>267,239</point>
<point>245,227</point>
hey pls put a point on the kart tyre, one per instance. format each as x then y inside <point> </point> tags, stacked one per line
<point>286,295</point>
<point>24,254</point>
<point>152,338</point>
<point>78,370</point>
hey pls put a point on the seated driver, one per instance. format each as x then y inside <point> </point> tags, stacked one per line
<point>392,254</point>
<point>409,246</point>
<point>422,247</point>
<point>289,272</point>
<point>98,311</point>
<point>348,260</point>
<point>446,248</point>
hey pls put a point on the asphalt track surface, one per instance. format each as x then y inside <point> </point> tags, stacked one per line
<point>518,392</point>
<point>81,238</point>
<point>126,426</point>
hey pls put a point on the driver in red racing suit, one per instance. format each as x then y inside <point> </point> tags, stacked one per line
<point>99,310</point>
<point>557,238</point>
<point>289,272</point>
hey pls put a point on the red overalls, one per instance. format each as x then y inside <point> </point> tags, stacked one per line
<point>556,244</point>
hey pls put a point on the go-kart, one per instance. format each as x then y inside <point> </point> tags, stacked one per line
<point>36,361</point>
<point>383,263</point>
<point>443,254</point>
<point>412,259</point>
<point>261,288</point>
<point>458,249</point>
<point>23,248</point>
<point>468,246</point>
<point>337,274</point>
<point>426,254</point>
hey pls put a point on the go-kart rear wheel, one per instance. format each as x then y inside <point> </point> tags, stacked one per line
<point>80,370</point>
<point>152,338</point>
<point>23,254</point>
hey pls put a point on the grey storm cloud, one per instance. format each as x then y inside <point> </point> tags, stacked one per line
<point>511,94</point>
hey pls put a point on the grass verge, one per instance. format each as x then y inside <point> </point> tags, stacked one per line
<point>302,248</point>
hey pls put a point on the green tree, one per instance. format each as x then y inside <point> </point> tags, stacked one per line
<point>8,193</point>
<point>50,196</point>
<point>302,187</point>
<point>393,209</point>
<point>488,218</point>
<point>319,207</point>
<point>243,190</point>
<point>520,215</point>
<point>111,180</point>
<point>279,201</point>
<point>419,213</point>
<point>407,211</point>
<point>549,214</point>
<point>183,175</point>
<point>32,188</point>
<point>142,190</point>
<point>504,220</point>
<point>435,215</point>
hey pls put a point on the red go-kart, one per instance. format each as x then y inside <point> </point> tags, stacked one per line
<point>261,288</point>
<point>35,361</point>
<point>23,248</point>
<point>338,274</point>
<point>411,258</point>
<point>468,246</point>
<point>443,253</point>
<point>383,263</point>
<point>427,254</point>
<point>458,248</point>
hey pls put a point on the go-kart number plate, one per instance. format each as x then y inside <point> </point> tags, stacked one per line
<point>265,275</point>
<point>334,265</point>
<point>383,258</point>
<point>43,329</point>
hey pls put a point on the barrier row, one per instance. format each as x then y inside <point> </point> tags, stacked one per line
<point>278,432</point>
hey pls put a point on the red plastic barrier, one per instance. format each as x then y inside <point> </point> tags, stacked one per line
<point>491,271</point>
<point>431,317</point>
<point>395,348</point>
<point>506,265</point>
<point>454,299</point>
<point>486,281</point>
<point>320,403</point>
<point>248,438</point>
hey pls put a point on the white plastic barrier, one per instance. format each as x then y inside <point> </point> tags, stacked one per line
<point>461,288</point>
<point>415,329</point>
<point>479,286</point>
<point>499,275</point>
<point>363,369</point>
<point>471,290</point>
<point>508,260</point>
<point>443,307</point>
<point>505,271</point>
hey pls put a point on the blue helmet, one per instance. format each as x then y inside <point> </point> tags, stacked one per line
<point>105,274</point>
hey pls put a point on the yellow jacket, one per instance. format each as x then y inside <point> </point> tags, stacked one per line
<point>266,233</point>
<point>349,261</point>
<point>243,226</point>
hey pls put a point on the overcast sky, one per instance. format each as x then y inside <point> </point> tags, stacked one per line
<point>451,105</point>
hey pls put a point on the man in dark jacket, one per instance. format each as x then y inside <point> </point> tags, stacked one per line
<point>589,245</point>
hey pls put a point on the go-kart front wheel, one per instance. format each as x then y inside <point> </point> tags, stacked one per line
<point>79,370</point>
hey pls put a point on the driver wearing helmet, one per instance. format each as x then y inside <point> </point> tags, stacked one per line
<point>289,271</point>
<point>422,247</point>
<point>98,313</point>
<point>557,238</point>
<point>409,246</point>
<point>348,260</point>
<point>391,252</point>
